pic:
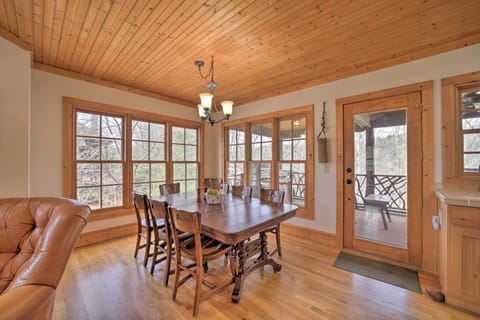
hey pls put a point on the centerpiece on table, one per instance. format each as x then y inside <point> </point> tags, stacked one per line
<point>214,196</point>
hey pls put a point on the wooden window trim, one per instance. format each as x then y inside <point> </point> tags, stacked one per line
<point>452,134</point>
<point>307,211</point>
<point>71,105</point>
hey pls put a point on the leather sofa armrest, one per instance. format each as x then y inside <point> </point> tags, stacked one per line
<point>27,302</point>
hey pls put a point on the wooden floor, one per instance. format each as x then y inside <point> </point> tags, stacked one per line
<point>104,281</point>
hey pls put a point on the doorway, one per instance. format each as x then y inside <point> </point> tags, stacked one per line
<point>380,175</point>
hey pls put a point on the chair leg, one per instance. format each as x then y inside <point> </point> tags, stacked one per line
<point>277,236</point>
<point>388,214</point>
<point>177,279</point>
<point>154,257</point>
<point>198,287</point>
<point>167,267</point>
<point>147,249</point>
<point>137,245</point>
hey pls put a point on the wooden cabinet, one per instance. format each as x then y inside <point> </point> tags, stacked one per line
<point>459,255</point>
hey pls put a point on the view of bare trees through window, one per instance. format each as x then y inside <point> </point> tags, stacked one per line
<point>185,158</point>
<point>99,155</point>
<point>235,155</point>
<point>471,128</point>
<point>148,157</point>
<point>261,157</point>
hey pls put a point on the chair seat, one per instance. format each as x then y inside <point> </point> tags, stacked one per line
<point>160,223</point>
<point>211,249</point>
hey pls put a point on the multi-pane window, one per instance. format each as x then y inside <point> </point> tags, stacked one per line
<point>273,151</point>
<point>111,152</point>
<point>148,157</point>
<point>261,156</point>
<point>235,155</point>
<point>185,157</point>
<point>98,159</point>
<point>292,159</point>
<point>470,127</point>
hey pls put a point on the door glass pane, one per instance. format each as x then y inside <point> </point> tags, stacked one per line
<point>380,151</point>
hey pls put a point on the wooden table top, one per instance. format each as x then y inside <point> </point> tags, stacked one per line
<point>236,219</point>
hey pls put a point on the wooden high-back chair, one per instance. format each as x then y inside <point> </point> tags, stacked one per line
<point>162,239</point>
<point>275,196</point>
<point>169,188</point>
<point>266,194</point>
<point>144,226</point>
<point>199,249</point>
<point>242,191</point>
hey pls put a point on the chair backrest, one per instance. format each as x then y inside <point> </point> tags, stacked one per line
<point>225,187</point>
<point>190,222</point>
<point>266,194</point>
<point>277,196</point>
<point>247,192</point>
<point>169,188</point>
<point>159,210</point>
<point>237,191</point>
<point>242,191</point>
<point>141,209</point>
<point>212,183</point>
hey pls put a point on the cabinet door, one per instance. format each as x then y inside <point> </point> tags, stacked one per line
<point>464,258</point>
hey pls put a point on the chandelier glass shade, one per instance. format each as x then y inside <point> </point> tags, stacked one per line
<point>207,106</point>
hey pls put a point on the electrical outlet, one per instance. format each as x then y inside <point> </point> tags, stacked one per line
<point>436,222</point>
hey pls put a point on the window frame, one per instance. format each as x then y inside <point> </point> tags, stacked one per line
<point>170,174</point>
<point>306,211</point>
<point>452,132</point>
<point>72,105</point>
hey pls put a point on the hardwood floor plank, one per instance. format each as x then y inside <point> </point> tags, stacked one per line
<point>104,281</point>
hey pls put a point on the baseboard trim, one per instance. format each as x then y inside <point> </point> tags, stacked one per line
<point>318,236</point>
<point>105,234</point>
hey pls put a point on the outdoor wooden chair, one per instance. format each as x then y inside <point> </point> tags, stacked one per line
<point>199,249</point>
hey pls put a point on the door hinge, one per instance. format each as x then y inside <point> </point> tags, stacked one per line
<point>421,155</point>
<point>420,107</point>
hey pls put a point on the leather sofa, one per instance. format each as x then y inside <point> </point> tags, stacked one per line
<point>37,236</point>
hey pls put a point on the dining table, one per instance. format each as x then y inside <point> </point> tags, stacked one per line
<point>241,222</point>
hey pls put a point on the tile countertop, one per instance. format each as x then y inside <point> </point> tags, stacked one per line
<point>467,196</point>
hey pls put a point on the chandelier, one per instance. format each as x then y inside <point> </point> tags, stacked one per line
<point>208,106</point>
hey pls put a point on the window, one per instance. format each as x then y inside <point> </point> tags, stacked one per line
<point>111,152</point>
<point>235,156</point>
<point>148,157</point>
<point>185,158</point>
<point>461,123</point>
<point>260,164</point>
<point>292,159</point>
<point>279,155</point>
<point>469,100</point>
<point>98,160</point>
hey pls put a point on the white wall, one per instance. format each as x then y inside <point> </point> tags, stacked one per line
<point>47,125</point>
<point>433,68</point>
<point>14,120</point>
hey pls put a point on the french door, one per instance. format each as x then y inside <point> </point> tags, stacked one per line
<point>382,173</point>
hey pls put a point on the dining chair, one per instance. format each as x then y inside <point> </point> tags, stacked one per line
<point>212,183</point>
<point>169,188</point>
<point>144,225</point>
<point>162,239</point>
<point>224,187</point>
<point>199,249</point>
<point>242,191</point>
<point>265,194</point>
<point>276,196</point>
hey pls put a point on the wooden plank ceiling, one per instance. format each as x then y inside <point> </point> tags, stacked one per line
<point>261,48</point>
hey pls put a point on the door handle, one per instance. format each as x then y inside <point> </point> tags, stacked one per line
<point>348,181</point>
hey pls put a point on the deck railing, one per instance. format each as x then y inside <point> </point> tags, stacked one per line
<point>392,185</point>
